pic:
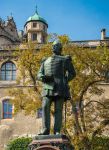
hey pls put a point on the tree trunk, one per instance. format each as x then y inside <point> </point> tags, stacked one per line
<point>78,129</point>
<point>87,143</point>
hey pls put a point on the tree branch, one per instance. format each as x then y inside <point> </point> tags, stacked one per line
<point>81,100</point>
<point>86,89</point>
<point>102,125</point>
<point>34,83</point>
<point>95,102</point>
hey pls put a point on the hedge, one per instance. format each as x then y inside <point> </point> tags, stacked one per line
<point>19,143</point>
<point>99,143</point>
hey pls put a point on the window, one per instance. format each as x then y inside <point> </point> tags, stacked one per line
<point>12,29</point>
<point>8,71</point>
<point>7,109</point>
<point>34,25</point>
<point>34,36</point>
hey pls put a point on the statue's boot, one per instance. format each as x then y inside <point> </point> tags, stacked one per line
<point>44,132</point>
<point>56,133</point>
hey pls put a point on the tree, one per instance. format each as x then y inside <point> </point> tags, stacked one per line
<point>63,38</point>
<point>91,68</point>
<point>29,60</point>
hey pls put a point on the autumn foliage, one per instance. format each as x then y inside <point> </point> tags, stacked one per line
<point>91,66</point>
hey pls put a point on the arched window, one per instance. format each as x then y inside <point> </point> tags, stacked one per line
<point>8,71</point>
<point>7,109</point>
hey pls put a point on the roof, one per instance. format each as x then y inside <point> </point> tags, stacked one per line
<point>36,17</point>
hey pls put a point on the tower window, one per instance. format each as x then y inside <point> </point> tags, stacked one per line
<point>34,36</point>
<point>12,30</point>
<point>8,71</point>
<point>34,25</point>
<point>7,109</point>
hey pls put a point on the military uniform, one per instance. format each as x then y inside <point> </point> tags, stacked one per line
<point>55,73</point>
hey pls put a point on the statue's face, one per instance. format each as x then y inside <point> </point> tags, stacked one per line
<point>57,48</point>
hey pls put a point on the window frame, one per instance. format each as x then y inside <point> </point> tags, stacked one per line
<point>8,104</point>
<point>33,37</point>
<point>34,25</point>
<point>5,70</point>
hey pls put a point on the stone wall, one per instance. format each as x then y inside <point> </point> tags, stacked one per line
<point>8,32</point>
<point>20,125</point>
<point>4,41</point>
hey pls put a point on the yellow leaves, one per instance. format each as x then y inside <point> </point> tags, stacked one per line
<point>64,39</point>
<point>29,61</point>
<point>89,65</point>
<point>25,99</point>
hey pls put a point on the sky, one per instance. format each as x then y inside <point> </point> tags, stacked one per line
<point>79,19</point>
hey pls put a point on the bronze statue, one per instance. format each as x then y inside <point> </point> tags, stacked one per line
<point>55,73</point>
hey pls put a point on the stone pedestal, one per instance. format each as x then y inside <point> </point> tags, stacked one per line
<point>51,142</point>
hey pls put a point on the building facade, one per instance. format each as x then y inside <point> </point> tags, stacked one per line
<point>104,41</point>
<point>8,32</point>
<point>35,29</point>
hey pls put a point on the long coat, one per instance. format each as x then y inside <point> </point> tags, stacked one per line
<point>58,70</point>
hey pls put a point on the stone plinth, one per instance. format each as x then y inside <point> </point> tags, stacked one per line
<point>51,142</point>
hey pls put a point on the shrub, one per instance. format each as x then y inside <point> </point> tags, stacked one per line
<point>98,143</point>
<point>19,144</point>
<point>101,143</point>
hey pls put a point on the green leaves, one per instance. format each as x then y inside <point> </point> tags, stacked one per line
<point>19,144</point>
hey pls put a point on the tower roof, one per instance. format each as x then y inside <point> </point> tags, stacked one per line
<point>36,17</point>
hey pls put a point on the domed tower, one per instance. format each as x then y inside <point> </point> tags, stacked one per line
<point>36,28</point>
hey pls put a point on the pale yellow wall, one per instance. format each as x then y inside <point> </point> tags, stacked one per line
<point>40,29</point>
<point>20,126</point>
<point>29,35</point>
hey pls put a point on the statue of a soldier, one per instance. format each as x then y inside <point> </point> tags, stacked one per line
<point>55,73</point>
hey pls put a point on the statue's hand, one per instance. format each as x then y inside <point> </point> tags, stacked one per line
<point>48,79</point>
